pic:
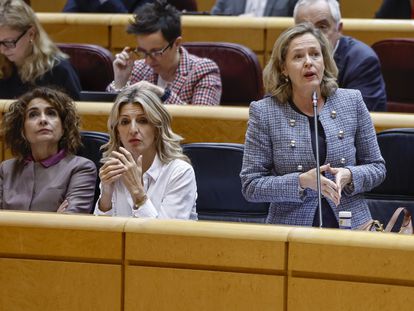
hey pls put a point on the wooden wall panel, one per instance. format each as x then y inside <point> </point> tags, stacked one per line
<point>77,28</point>
<point>24,234</point>
<point>205,5</point>
<point>351,255</point>
<point>208,245</point>
<point>48,5</point>
<point>370,31</point>
<point>359,9</point>
<point>152,288</point>
<point>59,286</point>
<point>327,295</point>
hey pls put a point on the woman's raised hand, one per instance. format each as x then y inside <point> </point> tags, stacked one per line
<point>132,175</point>
<point>123,64</point>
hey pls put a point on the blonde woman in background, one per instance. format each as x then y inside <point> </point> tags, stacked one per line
<point>33,59</point>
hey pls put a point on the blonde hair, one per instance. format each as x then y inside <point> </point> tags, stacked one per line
<point>167,143</point>
<point>17,15</point>
<point>277,84</point>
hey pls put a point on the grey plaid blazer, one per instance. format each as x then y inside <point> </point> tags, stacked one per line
<point>278,148</point>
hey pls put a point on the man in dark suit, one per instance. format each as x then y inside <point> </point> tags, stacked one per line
<point>254,7</point>
<point>103,6</point>
<point>398,9</point>
<point>358,65</point>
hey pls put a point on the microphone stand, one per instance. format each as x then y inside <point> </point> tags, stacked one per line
<point>318,165</point>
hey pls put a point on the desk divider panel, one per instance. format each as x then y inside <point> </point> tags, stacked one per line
<point>346,270</point>
<point>79,262</point>
<point>204,266</point>
<point>77,28</point>
<point>51,261</point>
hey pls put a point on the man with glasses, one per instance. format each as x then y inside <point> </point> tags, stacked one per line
<point>186,79</point>
<point>358,65</point>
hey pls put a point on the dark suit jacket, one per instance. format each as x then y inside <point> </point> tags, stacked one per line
<point>359,68</point>
<point>110,6</point>
<point>395,9</point>
<point>237,7</point>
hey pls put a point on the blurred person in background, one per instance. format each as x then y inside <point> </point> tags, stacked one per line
<point>186,78</point>
<point>31,57</point>
<point>358,65</point>
<point>254,7</point>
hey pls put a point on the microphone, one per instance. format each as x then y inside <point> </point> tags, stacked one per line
<point>318,165</point>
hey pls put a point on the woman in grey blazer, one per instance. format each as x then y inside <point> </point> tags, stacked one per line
<point>42,130</point>
<point>279,163</point>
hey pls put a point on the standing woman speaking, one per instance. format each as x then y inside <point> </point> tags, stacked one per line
<point>30,57</point>
<point>279,158</point>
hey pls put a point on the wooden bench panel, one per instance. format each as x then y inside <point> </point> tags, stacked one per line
<point>326,295</point>
<point>348,255</point>
<point>218,246</point>
<point>57,285</point>
<point>77,28</point>
<point>152,288</point>
<point>40,235</point>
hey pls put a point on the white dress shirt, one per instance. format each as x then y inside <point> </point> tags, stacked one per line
<point>171,193</point>
<point>255,7</point>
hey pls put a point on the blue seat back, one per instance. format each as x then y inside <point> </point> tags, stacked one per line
<point>217,167</point>
<point>397,149</point>
<point>91,149</point>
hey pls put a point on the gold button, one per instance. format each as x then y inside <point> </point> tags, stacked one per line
<point>333,114</point>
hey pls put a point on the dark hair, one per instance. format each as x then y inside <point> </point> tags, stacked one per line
<point>14,118</point>
<point>156,16</point>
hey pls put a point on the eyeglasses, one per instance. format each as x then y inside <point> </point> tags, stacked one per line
<point>153,54</point>
<point>11,44</point>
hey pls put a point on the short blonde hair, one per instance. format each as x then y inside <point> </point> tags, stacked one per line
<point>167,143</point>
<point>277,84</point>
<point>17,15</point>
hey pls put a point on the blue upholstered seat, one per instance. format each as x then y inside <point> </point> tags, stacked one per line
<point>217,167</point>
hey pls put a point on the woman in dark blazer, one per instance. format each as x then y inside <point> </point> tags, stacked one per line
<point>279,159</point>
